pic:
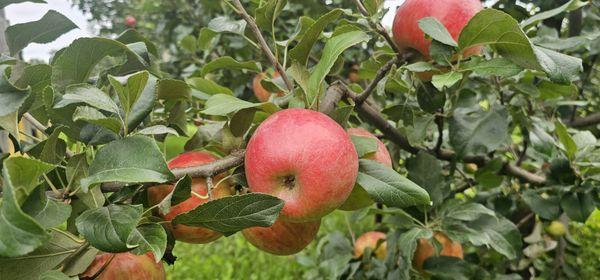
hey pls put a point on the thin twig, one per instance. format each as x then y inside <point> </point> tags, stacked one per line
<point>39,126</point>
<point>263,43</point>
<point>377,27</point>
<point>439,121</point>
<point>380,75</point>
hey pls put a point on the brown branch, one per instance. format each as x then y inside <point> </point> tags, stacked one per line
<point>263,43</point>
<point>383,71</point>
<point>377,27</point>
<point>590,120</point>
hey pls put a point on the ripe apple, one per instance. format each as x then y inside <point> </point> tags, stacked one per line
<point>283,238</point>
<point>261,93</point>
<point>124,266</point>
<point>425,249</point>
<point>556,229</point>
<point>359,198</point>
<point>130,21</point>
<point>306,159</point>
<point>453,14</point>
<point>157,194</point>
<point>470,168</point>
<point>370,240</point>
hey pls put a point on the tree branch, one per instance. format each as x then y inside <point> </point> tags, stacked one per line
<point>263,43</point>
<point>383,71</point>
<point>590,120</point>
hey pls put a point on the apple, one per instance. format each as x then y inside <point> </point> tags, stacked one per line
<point>453,14</point>
<point>470,168</point>
<point>353,75</point>
<point>304,158</point>
<point>130,21</point>
<point>157,194</point>
<point>359,198</point>
<point>556,229</point>
<point>425,249</point>
<point>124,266</point>
<point>370,240</point>
<point>261,93</point>
<point>283,238</point>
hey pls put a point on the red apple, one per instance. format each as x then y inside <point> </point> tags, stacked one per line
<point>425,249</point>
<point>370,240</point>
<point>261,93</point>
<point>453,14</point>
<point>157,194</point>
<point>130,21</point>
<point>124,266</point>
<point>306,159</point>
<point>282,238</point>
<point>359,198</point>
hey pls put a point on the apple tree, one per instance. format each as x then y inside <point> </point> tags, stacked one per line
<point>467,132</point>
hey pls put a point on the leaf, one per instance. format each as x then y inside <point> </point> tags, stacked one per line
<point>501,234</point>
<point>301,51</point>
<point>5,3</point>
<point>446,80</point>
<point>207,39</point>
<point>468,212</point>
<point>75,63</point>
<point>500,67</point>
<point>131,36</point>
<point>373,6</point>
<point>88,94</point>
<point>171,89</point>
<point>234,213</point>
<point>334,47</point>
<point>181,192</point>
<point>227,62</point>
<point>206,87</point>
<point>267,13</point>
<point>225,24</point>
<point>11,98</point>
<point>437,31</point>
<point>20,234</point>
<point>59,247</point>
<point>47,29</point>
<point>188,43</point>
<point>158,130</point>
<point>134,159</point>
<point>149,238</point>
<point>567,7</point>
<point>56,275</point>
<point>578,206</point>
<point>77,168</point>
<point>429,98</point>
<point>47,212</point>
<point>445,267</point>
<point>547,208</point>
<point>223,105</point>
<point>364,145</point>
<point>421,66</point>
<point>54,149</point>
<point>560,67</point>
<point>91,115</point>
<point>129,88</point>
<point>475,131</point>
<point>426,171</point>
<point>568,145</point>
<point>144,105</point>
<point>407,242</point>
<point>241,121</point>
<point>108,228</point>
<point>386,186</point>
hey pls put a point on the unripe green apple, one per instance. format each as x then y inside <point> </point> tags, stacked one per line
<point>556,229</point>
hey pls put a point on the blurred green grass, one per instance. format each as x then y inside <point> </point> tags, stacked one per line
<point>234,258</point>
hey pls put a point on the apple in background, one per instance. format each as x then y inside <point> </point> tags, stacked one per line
<point>261,93</point>
<point>425,249</point>
<point>453,14</point>
<point>124,266</point>
<point>370,240</point>
<point>282,238</point>
<point>157,194</point>
<point>130,21</point>
<point>359,198</point>
<point>306,159</point>
<point>556,228</point>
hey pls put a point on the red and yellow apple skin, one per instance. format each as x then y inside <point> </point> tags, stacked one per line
<point>425,249</point>
<point>304,158</point>
<point>359,198</point>
<point>261,93</point>
<point>453,14</point>
<point>157,194</point>
<point>283,238</point>
<point>130,21</point>
<point>370,240</point>
<point>124,266</point>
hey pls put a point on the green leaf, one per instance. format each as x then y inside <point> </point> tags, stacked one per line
<point>11,98</point>
<point>88,94</point>
<point>234,213</point>
<point>547,208</point>
<point>578,206</point>
<point>386,186</point>
<point>158,130</point>
<point>206,87</point>
<point>560,67</point>
<point>334,47</point>
<point>500,234</point>
<point>567,7</point>
<point>59,247</point>
<point>426,171</point>
<point>108,228</point>
<point>476,131</point>
<point>268,12</point>
<point>223,105</point>
<point>24,174</point>
<point>468,212</point>
<point>445,267</point>
<point>373,6</point>
<point>171,89</point>
<point>180,193</point>
<point>47,212</point>
<point>91,115</point>
<point>131,36</point>
<point>407,242</point>
<point>207,39</point>
<point>188,43</point>
<point>429,98</point>
<point>77,169</point>
<point>242,121</point>
<point>227,62</point>
<point>446,80</point>
<point>500,67</point>
<point>144,105</point>
<point>5,3</point>
<point>47,29</point>
<point>135,159</point>
<point>149,237</point>
<point>437,31</point>
<point>225,24</point>
<point>56,275</point>
<point>568,145</point>
<point>420,67</point>
<point>301,51</point>
<point>75,63</point>
<point>129,88</point>
<point>364,145</point>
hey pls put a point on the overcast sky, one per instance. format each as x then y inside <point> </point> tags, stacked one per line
<point>25,12</point>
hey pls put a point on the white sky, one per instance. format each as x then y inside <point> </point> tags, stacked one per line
<point>25,12</point>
